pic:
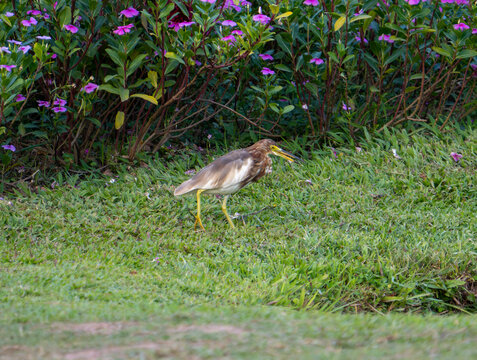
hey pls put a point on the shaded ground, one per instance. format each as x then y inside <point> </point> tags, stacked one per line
<point>261,333</point>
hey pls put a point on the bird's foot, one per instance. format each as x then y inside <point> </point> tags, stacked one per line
<point>198,221</point>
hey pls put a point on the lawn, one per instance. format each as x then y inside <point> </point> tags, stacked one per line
<point>353,232</point>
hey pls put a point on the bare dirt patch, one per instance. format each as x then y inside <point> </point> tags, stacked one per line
<point>93,328</point>
<point>209,329</point>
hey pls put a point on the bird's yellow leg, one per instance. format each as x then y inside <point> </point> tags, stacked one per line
<point>197,218</point>
<point>224,209</point>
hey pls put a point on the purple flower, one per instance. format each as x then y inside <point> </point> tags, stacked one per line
<point>455,156</point>
<point>395,154</point>
<point>267,71</point>
<point>474,31</point>
<point>316,61</point>
<point>89,88</point>
<point>230,38</point>
<point>4,49</point>
<point>346,107</point>
<point>229,23</point>
<point>14,42</point>
<point>190,172</point>
<point>9,147</point>
<point>266,57</point>
<point>24,48</point>
<point>237,32</point>
<point>43,103</point>
<point>386,38</point>
<point>59,109</point>
<point>304,107</point>
<point>358,149</point>
<point>9,14</point>
<point>461,26</point>
<point>60,102</point>
<point>8,67</point>
<point>413,2</point>
<point>19,98</point>
<point>262,19</point>
<point>34,12</point>
<point>209,136</point>
<point>359,12</point>
<point>185,24</point>
<point>130,12</point>
<point>42,37</point>
<point>71,28</point>
<point>358,39</point>
<point>308,181</point>
<point>121,30</point>
<point>311,2</point>
<point>197,62</point>
<point>30,22</point>
<point>208,1</point>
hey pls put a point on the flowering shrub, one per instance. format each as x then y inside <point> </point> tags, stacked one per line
<point>76,73</point>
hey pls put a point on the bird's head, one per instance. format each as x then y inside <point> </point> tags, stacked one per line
<point>270,147</point>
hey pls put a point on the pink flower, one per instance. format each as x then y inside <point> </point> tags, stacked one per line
<point>14,42</point>
<point>229,23</point>
<point>267,71</point>
<point>28,23</point>
<point>60,102</point>
<point>461,26</point>
<point>4,49</point>
<point>9,147</point>
<point>130,12</point>
<point>386,38</point>
<point>358,149</point>
<point>8,67</point>
<point>25,48</point>
<point>455,156</point>
<point>59,109</point>
<point>262,19</point>
<point>43,37</point>
<point>474,31</point>
<point>358,39</point>
<point>190,172</point>
<point>334,153</point>
<point>208,1</point>
<point>43,103</point>
<point>237,32</point>
<point>230,38</point>
<point>34,12</point>
<point>19,98</point>
<point>266,57</point>
<point>71,28</point>
<point>311,2</point>
<point>121,30</point>
<point>413,2</point>
<point>89,88</point>
<point>316,61</point>
<point>185,24</point>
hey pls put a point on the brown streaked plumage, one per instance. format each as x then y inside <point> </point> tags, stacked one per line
<point>231,172</point>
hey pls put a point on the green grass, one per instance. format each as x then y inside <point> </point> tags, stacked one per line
<point>360,232</point>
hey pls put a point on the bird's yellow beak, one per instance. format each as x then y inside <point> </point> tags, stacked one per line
<point>282,153</point>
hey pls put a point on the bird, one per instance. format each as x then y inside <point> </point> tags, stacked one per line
<point>231,172</point>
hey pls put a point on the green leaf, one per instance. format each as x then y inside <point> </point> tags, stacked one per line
<point>149,98</point>
<point>6,20</point>
<point>38,50</point>
<point>467,53</point>
<point>109,88</point>
<point>283,68</point>
<point>135,64</point>
<point>288,108</point>
<point>152,76</point>
<point>360,17</point>
<point>441,51</point>
<point>166,11</point>
<point>171,55</point>
<point>284,15</point>
<point>256,89</point>
<point>275,90</point>
<point>285,46</point>
<point>123,93</point>
<point>119,121</point>
<point>340,22</point>
<point>115,57</point>
<point>274,9</point>
<point>65,16</point>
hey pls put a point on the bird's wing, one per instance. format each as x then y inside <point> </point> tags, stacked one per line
<point>227,171</point>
